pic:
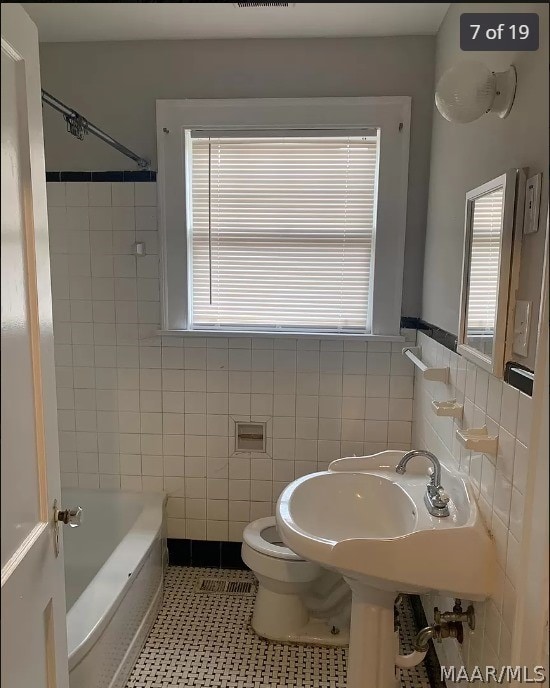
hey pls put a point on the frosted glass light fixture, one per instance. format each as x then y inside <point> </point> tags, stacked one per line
<point>468,90</point>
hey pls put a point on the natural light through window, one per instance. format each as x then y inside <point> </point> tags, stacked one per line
<point>484,264</point>
<point>282,230</point>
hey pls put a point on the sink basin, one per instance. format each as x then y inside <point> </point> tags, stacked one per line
<point>357,502</point>
<point>371,524</point>
<point>368,522</point>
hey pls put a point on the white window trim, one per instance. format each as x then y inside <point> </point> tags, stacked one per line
<point>390,114</point>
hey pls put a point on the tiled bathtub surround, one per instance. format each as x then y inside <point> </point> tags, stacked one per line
<point>140,413</point>
<point>499,485</point>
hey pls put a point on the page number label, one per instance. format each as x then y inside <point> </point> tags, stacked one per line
<point>499,31</point>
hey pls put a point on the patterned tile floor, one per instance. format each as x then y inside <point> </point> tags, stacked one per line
<point>202,640</point>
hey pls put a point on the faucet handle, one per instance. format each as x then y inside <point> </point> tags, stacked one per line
<point>443,496</point>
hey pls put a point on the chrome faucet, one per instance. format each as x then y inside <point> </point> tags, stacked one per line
<point>435,498</point>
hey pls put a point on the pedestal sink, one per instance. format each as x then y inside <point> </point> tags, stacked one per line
<point>371,524</point>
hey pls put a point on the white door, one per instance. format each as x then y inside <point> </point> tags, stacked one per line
<point>34,642</point>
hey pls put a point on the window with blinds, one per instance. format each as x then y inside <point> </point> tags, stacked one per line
<point>282,230</point>
<point>484,264</point>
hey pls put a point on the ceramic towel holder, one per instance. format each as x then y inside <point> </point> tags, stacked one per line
<point>414,353</point>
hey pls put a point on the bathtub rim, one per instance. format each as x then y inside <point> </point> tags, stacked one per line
<point>91,613</point>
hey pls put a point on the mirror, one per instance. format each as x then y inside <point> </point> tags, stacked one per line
<point>490,271</point>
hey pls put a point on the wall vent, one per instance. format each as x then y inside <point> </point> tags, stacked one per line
<point>245,5</point>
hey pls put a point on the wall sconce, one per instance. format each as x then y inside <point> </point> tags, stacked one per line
<point>468,90</point>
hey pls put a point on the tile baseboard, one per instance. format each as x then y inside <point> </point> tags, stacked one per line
<point>205,553</point>
<point>516,379</point>
<point>107,176</point>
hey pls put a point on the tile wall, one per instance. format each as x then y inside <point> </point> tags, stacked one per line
<point>138,412</point>
<point>499,484</point>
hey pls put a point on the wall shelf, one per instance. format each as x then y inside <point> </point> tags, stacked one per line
<point>414,353</point>
<point>479,440</point>
<point>448,408</point>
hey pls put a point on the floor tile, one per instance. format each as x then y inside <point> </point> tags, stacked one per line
<point>202,640</point>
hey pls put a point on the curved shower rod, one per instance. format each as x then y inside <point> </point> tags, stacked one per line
<point>79,126</point>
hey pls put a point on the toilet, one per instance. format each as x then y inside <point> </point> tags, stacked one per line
<point>297,600</point>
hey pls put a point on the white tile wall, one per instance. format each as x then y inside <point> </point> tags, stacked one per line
<point>138,413</point>
<point>499,484</point>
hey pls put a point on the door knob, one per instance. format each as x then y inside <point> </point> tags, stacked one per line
<point>70,517</point>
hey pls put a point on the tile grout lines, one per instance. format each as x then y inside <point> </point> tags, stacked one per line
<point>205,641</point>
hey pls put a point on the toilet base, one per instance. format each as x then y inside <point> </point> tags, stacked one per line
<point>284,618</point>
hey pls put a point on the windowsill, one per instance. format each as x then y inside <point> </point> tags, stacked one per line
<point>281,335</point>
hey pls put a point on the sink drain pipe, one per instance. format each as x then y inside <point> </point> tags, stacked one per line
<point>420,643</point>
<point>421,646</point>
<point>446,625</point>
<point>409,661</point>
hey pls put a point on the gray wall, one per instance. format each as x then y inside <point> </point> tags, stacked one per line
<point>466,155</point>
<point>115,85</point>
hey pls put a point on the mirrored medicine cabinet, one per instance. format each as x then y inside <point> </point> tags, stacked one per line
<point>490,273</point>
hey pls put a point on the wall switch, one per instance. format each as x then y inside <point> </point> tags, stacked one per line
<point>522,321</point>
<point>139,248</point>
<point>532,204</point>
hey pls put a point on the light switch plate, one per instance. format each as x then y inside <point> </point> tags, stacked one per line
<point>522,322</point>
<point>532,204</point>
<point>139,249</point>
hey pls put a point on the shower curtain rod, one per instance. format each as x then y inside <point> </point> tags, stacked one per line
<point>79,126</point>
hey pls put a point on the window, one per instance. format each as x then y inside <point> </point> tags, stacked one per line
<point>485,264</point>
<point>282,231</point>
<point>283,215</point>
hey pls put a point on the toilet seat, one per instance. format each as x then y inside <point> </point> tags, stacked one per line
<point>255,537</point>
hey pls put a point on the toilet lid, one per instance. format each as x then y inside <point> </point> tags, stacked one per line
<point>262,536</point>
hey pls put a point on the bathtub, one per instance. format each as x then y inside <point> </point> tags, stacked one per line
<point>114,566</point>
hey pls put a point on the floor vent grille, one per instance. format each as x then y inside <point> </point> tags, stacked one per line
<point>244,5</point>
<point>220,586</point>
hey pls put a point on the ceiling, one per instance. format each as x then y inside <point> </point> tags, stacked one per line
<point>131,21</point>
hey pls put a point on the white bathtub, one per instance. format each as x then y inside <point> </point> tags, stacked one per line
<point>114,579</point>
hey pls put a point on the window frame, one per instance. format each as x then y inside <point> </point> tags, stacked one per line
<point>390,115</point>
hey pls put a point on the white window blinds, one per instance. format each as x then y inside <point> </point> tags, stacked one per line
<point>283,231</point>
<point>485,263</point>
